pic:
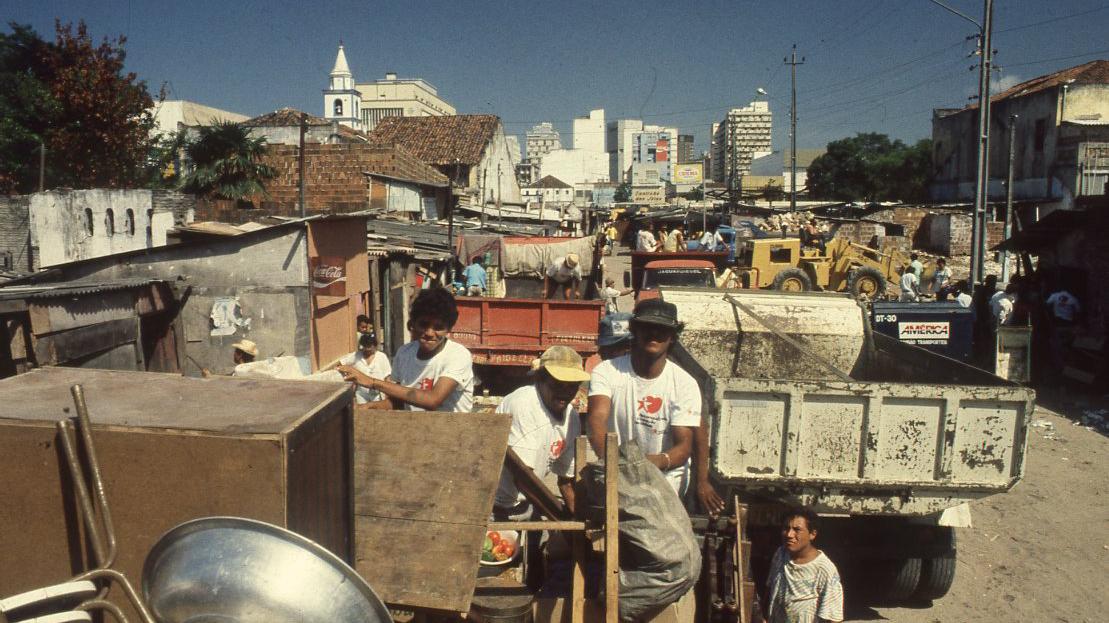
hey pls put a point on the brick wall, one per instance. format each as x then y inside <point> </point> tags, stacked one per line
<point>15,227</point>
<point>949,234</point>
<point>861,232</point>
<point>334,176</point>
<point>183,206</point>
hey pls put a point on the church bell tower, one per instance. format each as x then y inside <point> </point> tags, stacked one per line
<point>341,101</point>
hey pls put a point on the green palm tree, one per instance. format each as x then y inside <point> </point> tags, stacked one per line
<point>226,163</point>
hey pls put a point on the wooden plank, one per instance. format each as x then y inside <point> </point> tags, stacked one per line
<point>76,343</point>
<point>740,579</point>
<point>537,525</point>
<point>535,490</point>
<point>423,491</point>
<point>577,581</point>
<point>318,460</point>
<point>612,526</point>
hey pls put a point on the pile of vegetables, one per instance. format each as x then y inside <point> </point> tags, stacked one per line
<point>496,549</point>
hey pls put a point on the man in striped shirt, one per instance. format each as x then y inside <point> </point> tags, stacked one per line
<point>803,584</point>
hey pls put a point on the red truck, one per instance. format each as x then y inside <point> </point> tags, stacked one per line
<point>681,268</point>
<point>513,332</point>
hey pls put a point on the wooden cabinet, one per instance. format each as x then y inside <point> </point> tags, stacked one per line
<point>170,449</point>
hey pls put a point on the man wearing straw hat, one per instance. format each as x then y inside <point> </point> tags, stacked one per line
<point>564,272</point>
<point>544,427</point>
<point>244,351</point>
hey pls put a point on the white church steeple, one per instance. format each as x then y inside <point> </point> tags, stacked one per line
<point>341,100</point>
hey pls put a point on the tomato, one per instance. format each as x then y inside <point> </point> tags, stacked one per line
<point>495,537</point>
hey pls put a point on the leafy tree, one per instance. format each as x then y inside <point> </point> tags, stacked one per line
<point>72,96</point>
<point>871,167</point>
<point>26,108</point>
<point>226,163</point>
<point>623,193</point>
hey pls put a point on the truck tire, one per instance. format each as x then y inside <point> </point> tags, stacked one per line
<point>792,280</point>
<point>903,579</point>
<point>937,573</point>
<point>866,283</point>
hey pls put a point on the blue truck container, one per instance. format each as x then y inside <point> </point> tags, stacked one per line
<point>945,328</point>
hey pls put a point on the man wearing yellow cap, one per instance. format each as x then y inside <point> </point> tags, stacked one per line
<point>564,272</point>
<point>544,427</point>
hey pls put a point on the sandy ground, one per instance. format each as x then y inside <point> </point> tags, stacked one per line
<point>1041,551</point>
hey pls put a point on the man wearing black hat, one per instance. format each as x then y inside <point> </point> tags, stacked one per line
<point>643,397</point>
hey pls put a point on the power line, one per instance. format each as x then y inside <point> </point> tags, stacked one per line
<point>1057,58</point>
<point>1053,20</point>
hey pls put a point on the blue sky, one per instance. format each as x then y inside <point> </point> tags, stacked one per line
<point>870,65</point>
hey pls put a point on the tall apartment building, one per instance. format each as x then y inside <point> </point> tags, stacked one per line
<point>685,149</point>
<point>542,138</point>
<point>361,106</point>
<point>654,145</point>
<point>742,136</point>
<point>619,137</point>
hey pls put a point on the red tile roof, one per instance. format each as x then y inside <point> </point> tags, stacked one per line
<point>290,118</point>
<point>550,181</point>
<point>439,140</point>
<point>1093,72</point>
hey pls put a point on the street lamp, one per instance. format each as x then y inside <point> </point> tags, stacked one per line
<point>982,177</point>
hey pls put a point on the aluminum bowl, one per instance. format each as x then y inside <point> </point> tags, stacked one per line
<point>229,569</point>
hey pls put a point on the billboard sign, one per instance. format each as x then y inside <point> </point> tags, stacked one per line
<point>662,150</point>
<point>688,173</point>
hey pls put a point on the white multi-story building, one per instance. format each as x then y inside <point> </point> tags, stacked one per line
<point>362,106</point>
<point>589,132</point>
<point>742,136</point>
<point>575,166</point>
<point>619,143</point>
<point>541,139</point>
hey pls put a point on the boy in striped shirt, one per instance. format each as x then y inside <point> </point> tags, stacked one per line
<point>803,584</point>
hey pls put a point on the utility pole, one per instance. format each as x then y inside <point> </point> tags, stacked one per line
<point>481,207</point>
<point>42,165</point>
<point>1009,197</point>
<point>500,218</point>
<point>450,216</point>
<point>793,63</point>
<point>982,177</point>
<point>300,163</point>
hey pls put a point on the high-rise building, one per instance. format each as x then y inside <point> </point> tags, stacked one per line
<point>362,106</point>
<point>541,139</point>
<point>742,136</point>
<point>619,139</point>
<point>653,145</point>
<point>685,149</point>
<point>589,131</point>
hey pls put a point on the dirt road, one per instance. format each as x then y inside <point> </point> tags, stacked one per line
<point>1040,552</point>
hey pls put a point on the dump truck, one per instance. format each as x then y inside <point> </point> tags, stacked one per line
<point>785,264</point>
<point>807,405</point>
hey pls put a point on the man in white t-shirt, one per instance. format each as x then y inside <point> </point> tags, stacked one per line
<point>1064,307</point>
<point>910,286</point>
<point>432,372</point>
<point>564,273</point>
<point>645,240</point>
<point>369,361</point>
<point>610,294</point>
<point>803,584</point>
<point>545,425</point>
<point>645,398</point>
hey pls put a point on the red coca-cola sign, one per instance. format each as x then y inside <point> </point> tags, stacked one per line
<point>329,276</point>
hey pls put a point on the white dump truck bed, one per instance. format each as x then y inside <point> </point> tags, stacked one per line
<point>810,407</point>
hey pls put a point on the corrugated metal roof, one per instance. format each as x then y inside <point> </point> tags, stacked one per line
<point>62,289</point>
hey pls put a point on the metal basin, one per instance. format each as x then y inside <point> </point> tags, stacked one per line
<point>228,569</point>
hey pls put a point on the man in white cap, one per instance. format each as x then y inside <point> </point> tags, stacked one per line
<point>244,351</point>
<point>544,427</point>
<point>564,272</point>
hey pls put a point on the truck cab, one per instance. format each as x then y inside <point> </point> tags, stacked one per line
<point>675,273</point>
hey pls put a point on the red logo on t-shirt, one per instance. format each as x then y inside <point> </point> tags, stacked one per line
<point>650,404</point>
<point>557,448</point>
<point>425,384</point>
